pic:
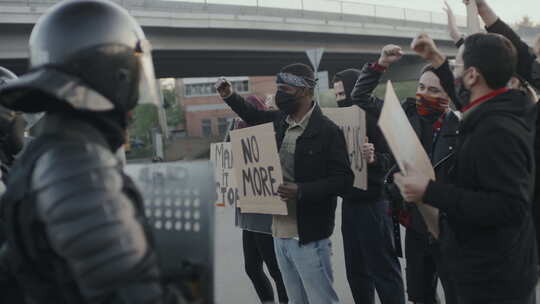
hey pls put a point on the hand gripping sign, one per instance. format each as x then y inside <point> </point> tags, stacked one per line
<point>258,170</point>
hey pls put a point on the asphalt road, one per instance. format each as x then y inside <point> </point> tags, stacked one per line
<point>232,286</point>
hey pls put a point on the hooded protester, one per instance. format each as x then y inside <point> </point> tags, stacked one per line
<point>82,236</point>
<point>435,124</point>
<point>489,238</point>
<point>257,241</point>
<point>304,137</point>
<point>370,258</point>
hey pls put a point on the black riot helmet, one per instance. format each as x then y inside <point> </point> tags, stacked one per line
<point>89,55</point>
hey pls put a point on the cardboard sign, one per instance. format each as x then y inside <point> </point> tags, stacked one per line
<point>258,170</point>
<point>473,23</point>
<point>226,187</point>
<point>407,148</point>
<point>352,121</point>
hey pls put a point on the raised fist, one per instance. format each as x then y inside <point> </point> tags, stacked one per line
<point>223,87</point>
<point>390,54</point>
<point>425,47</point>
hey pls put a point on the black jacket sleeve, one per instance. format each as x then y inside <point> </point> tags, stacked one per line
<point>525,54</point>
<point>448,83</point>
<point>362,96</point>
<point>362,93</point>
<point>249,113</point>
<point>340,177</point>
<point>503,178</point>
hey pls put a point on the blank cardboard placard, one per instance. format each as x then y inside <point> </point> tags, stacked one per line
<point>258,170</point>
<point>407,148</point>
<point>352,121</point>
<point>221,157</point>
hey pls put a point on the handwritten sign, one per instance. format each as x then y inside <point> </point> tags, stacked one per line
<point>352,121</point>
<point>258,170</point>
<point>222,158</point>
<point>407,148</point>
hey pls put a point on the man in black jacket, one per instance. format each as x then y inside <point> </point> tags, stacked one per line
<point>316,169</point>
<point>435,124</point>
<point>490,240</point>
<point>370,258</point>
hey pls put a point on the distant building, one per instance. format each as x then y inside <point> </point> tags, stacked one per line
<point>206,114</point>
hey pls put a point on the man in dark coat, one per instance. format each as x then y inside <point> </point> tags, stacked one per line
<point>490,240</point>
<point>316,169</point>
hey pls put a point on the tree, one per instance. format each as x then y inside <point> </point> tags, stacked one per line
<point>145,118</point>
<point>174,112</point>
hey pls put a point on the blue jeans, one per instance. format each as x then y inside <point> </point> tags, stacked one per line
<point>370,258</point>
<point>306,271</point>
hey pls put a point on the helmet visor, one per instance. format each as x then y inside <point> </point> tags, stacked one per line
<point>148,93</point>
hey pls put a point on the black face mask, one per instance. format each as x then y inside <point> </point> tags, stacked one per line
<point>286,102</point>
<point>463,94</point>
<point>347,102</point>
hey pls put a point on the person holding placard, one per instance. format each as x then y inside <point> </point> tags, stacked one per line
<point>435,124</point>
<point>489,237</point>
<point>316,169</point>
<point>370,258</point>
<point>257,241</point>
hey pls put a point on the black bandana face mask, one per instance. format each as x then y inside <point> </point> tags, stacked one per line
<point>286,102</point>
<point>463,94</point>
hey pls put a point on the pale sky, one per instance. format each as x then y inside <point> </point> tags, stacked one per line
<point>511,10</point>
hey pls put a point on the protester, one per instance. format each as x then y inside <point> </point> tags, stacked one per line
<point>490,241</point>
<point>257,241</point>
<point>370,258</point>
<point>316,169</point>
<point>11,130</point>
<point>82,236</point>
<point>11,142</point>
<point>435,124</point>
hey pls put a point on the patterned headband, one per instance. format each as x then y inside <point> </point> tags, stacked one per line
<point>296,81</point>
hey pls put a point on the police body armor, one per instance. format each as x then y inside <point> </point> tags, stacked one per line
<point>75,225</point>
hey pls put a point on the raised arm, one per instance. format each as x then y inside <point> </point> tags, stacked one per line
<point>247,112</point>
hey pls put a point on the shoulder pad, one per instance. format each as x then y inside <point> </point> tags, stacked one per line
<point>70,159</point>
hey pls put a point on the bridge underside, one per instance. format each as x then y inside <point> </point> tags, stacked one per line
<point>213,52</point>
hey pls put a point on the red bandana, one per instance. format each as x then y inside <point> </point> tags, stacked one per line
<point>427,105</point>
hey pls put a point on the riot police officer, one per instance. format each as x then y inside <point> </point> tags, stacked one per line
<point>75,226</point>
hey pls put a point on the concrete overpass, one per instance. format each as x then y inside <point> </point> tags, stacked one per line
<point>204,39</point>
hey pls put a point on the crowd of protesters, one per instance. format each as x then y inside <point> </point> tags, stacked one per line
<point>475,117</point>
<point>73,228</point>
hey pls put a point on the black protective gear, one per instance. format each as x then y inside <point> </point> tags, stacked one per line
<point>75,222</point>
